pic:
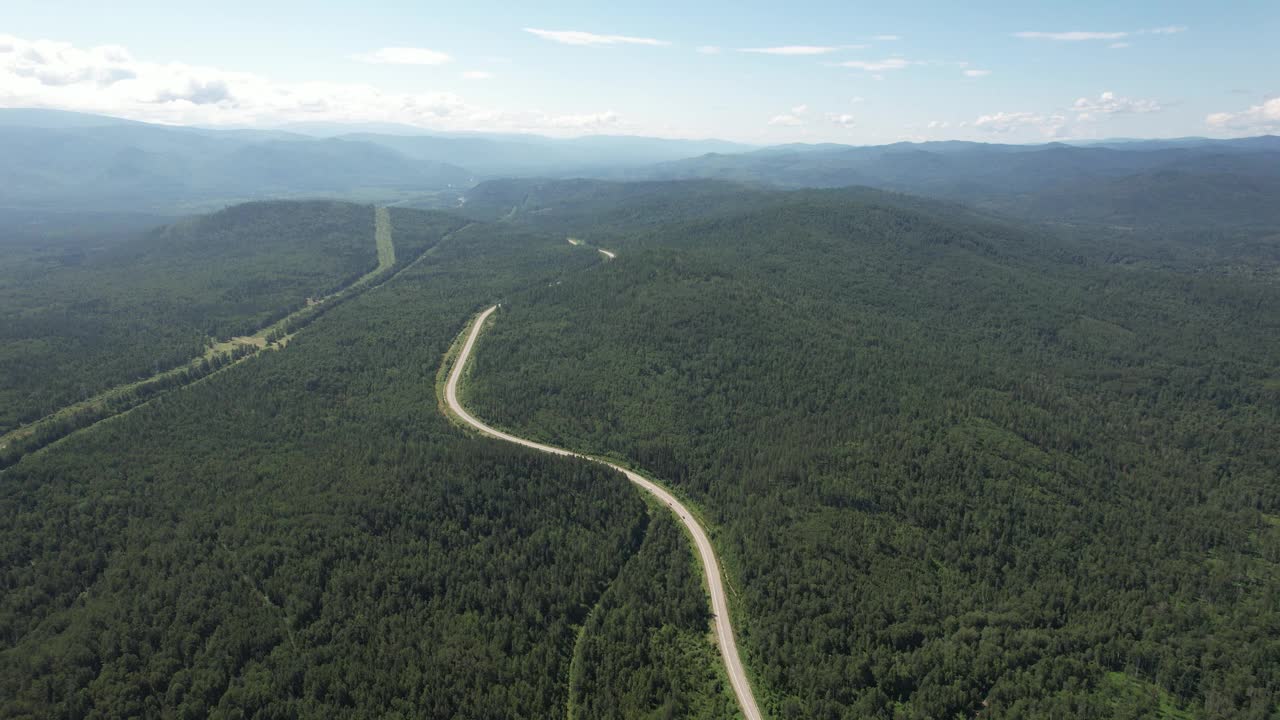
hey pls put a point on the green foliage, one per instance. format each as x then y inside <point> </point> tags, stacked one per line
<point>645,652</point>
<point>70,330</point>
<point>957,468</point>
<point>305,535</point>
<point>954,469</point>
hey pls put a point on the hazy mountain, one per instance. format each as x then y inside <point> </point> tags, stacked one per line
<point>60,161</point>
<point>1215,182</point>
<point>55,160</point>
<point>497,155</point>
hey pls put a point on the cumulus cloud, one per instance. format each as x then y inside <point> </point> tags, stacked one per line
<point>577,37</point>
<point>1108,103</point>
<point>792,118</point>
<point>976,73</point>
<point>404,56</point>
<point>1258,118</point>
<point>108,79</point>
<point>876,65</point>
<point>841,119</point>
<point>1007,122</point>
<point>61,64</point>
<point>793,50</point>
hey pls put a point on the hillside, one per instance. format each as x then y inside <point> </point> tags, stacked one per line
<point>928,445</point>
<point>306,535</point>
<point>80,319</point>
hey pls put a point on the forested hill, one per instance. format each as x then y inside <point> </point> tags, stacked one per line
<point>957,468</point>
<point>581,204</point>
<point>305,535</point>
<point>79,318</point>
<point>954,466</point>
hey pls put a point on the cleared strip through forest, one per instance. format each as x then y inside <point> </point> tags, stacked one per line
<point>219,356</point>
<point>706,551</point>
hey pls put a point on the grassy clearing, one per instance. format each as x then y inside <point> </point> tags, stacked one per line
<point>1128,690</point>
<point>382,236</point>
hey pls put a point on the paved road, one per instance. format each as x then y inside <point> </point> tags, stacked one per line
<point>707,553</point>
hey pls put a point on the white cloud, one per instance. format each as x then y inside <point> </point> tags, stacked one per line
<point>857,99</point>
<point>709,49</point>
<point>108,79</point>
<point>577,37</point>
<point>477,75</point>
<point>792,118</point>
<point>404,56</point>
<point>976,73</point>
<point>592,121</point>
<point>1119,45</point>
<point>886,38</point>
<point>1072,36</point>
<point>1258,118</point>
<point>841,119</point>
<point>1078,36</point>
<point>894,63</point>
<point>939,124</point>
<point>793,50</point>
<point>1108,103</point>
<point>1007,122</point>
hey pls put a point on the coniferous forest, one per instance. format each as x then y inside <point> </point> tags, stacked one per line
<point>954,465</point>
<point>957,467</point>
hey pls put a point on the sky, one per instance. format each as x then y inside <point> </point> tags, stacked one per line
<point>756,72</point>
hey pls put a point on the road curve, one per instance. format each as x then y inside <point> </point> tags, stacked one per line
<point>706,553</point>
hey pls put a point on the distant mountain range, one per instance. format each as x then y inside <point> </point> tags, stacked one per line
<point>52,160</point>
<point>1158,182</point>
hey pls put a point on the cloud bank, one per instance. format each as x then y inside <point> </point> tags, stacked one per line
<point>109,79</point>
<point>1258,118</point>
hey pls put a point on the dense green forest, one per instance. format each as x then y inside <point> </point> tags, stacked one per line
<point>78,320</point>
<point>956,467</point>
<point>306,536</point>
<point>644,650</point>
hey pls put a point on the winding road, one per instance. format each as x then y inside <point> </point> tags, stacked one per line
<point>706,552</point>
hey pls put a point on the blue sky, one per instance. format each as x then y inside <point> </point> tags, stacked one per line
<point>750,71</point>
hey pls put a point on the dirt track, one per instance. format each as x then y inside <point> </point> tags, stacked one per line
<point>706,552</point>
